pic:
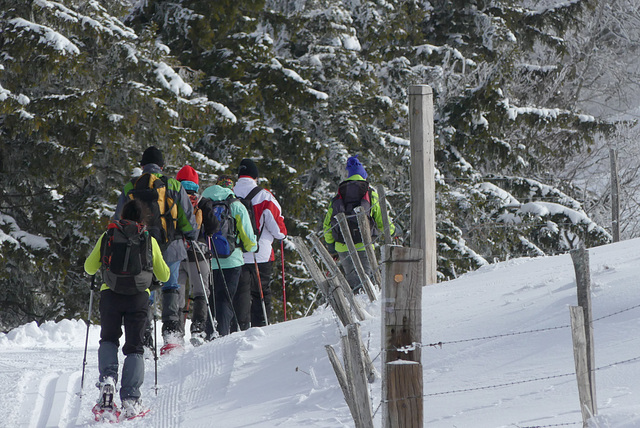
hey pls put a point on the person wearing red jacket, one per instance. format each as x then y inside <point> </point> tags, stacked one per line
<point>253,289</point>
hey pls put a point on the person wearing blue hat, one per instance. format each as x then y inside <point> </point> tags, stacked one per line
<point>353,192</point>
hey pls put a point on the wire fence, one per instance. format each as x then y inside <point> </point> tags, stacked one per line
<point>440,345</point>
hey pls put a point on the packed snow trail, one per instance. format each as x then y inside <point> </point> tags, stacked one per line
<point>486,374</point>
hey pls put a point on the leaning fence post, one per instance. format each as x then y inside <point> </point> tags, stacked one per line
<point>580,358</point>
<point>382,200</point>
<point>353,253</point>
<point>334,296</point>
<point>580,257</point>
<point>365,232</point>
<point>337,278</point>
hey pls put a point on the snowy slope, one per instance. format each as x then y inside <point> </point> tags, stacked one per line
<point>505,360</point>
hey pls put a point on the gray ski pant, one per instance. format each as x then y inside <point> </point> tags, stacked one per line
<point>349,269</point>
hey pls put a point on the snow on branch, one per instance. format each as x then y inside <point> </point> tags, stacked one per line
<point>291,74</point>
<point>47,35</point>
<point>17,237</point>
<point>172,80</point>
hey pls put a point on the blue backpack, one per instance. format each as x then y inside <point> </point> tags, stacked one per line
<point>224,241</point>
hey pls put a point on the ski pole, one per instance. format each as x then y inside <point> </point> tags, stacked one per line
<point>86,338</point>
<point>226,287</point>
<point>155,339</point>
<point>202,283</point>
<point>284,290</point>
<point>264,307</point>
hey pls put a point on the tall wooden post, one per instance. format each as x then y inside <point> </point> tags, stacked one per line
<point>423,188</point>
<point>615,196</point>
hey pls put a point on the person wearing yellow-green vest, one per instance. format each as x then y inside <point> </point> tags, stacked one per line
<point>354,191</point>
<point>130,309</point>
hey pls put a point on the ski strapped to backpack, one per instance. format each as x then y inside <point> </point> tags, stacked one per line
<point>152,190</point>
<point>246,201</point>
<point>127,258</point>
<point>351,194</point>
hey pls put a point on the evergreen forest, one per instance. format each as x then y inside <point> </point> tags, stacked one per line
<point>530,99</point>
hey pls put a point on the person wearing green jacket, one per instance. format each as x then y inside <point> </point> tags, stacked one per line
<point>354,191</point>
<point>130,309</point>
<point>227,267</point>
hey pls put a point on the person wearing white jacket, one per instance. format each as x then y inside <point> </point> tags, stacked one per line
<point>253,290</point>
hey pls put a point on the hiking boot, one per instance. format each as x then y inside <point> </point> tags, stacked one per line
<point>105,408</point>
<point>132,407</point>
<point>107,391</point>
<point>171,333</point>
<point>198,338</point>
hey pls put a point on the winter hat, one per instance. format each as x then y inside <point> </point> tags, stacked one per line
<point>189,178</point>
<point>225,181</point>
<point>248,168</point>
<point>187,173</point>
<point>355,167</point>
<point>152,155</point>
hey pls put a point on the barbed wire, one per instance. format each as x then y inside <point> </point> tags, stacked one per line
<point>408,348</point>
<point>550,425</point>
<point>515,382</point>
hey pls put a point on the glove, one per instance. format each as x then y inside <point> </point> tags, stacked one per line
<point>332,249</point>
<point>155,284</point>
<point>95,285</point>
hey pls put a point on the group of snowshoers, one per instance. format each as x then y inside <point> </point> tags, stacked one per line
<point>171,245</point>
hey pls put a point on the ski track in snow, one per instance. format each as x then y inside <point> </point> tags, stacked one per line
<point>47,401</point>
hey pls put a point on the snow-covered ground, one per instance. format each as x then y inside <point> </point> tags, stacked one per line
<point>486,374</point>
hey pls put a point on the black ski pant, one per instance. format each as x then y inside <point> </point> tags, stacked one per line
<point>225,283</point>
<point>248,299</point>
<point>116,310</point>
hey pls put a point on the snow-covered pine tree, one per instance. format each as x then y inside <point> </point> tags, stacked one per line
<point>81,96</point>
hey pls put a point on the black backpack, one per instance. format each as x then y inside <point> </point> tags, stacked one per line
<point>224,239</point>
<point>127,258</point>
<point>152,191</point>
<point>246,201</point>
<point>351,194</point>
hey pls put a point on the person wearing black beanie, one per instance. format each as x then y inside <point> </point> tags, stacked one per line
<point>178,208</point>
<point>248,168</point>
<point>152,155</point>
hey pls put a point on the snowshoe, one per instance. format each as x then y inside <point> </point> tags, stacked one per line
<point>132,408</point>
<point>105,409</point>
<point>170,347</point>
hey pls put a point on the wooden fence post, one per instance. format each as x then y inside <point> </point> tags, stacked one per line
<point>334,295</point>
<point>355,368</point>
<point>615,196</point>
<point>337,278</point>
<point>580,358</point>
<point>354,376</point>
<point>580,257</point>
<point>382,199</point>
<point>365,232</point>
<point>403,276</point>
<point>423,188</point>
<point>353,253</point>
